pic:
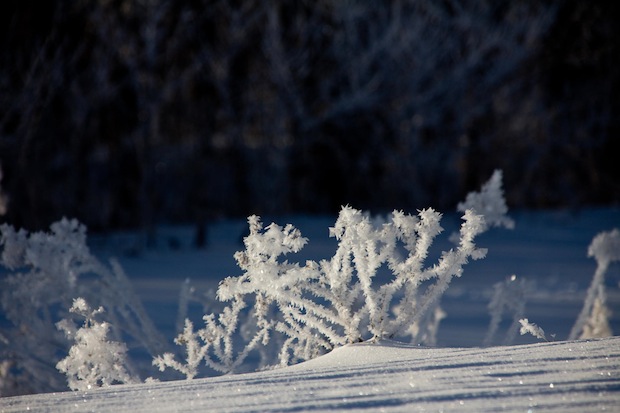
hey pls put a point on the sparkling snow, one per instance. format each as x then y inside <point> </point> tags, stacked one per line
<point>573,376</point>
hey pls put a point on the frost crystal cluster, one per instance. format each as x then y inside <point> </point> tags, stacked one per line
<point>93,360</point>
<point>377,285</point>
<point>489,202</point>
<point>531,328</point>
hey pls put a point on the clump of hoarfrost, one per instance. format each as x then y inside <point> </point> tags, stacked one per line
<point>489,202</point>
<point>531,328</point>
<point>317,306</point>
<point>93,360</point>
<point>593,321</point>
<point>605,248</point>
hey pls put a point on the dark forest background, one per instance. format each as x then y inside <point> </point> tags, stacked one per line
<point>127,114</point>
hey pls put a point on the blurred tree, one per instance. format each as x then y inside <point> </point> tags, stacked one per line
<point>129,113</point>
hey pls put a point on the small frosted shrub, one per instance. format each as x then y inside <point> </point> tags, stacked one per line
<point>93,360</point>
<point>46,271</point>
<point>509,297</point>
<point>593,321</point>
<point>321,305</point>
<point>489,202</point>
<point>195,353</point>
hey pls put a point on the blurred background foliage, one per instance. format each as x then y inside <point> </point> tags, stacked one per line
<point>127,114</point>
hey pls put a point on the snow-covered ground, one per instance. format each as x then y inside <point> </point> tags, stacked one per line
<point>547,248</point>
<point>579,376</point>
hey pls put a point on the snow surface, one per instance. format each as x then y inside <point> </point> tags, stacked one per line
<point>573,376</point>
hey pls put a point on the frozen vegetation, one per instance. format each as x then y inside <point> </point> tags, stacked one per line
<point>313,308</point>
<point>375,326</point>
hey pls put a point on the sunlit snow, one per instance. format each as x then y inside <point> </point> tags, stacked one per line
<point>386,376</point>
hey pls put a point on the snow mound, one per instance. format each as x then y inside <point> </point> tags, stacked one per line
<point>573,376</point>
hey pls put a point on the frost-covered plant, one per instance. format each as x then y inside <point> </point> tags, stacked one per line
<point>46,272</point>
<point>93,360</point>
<point>216,346</point>
<point>489,202</point>
<point>195,353</point>
<point>510,297</point>
<point>350,297</point>
<point>531,328</point>
<point>593,319</point>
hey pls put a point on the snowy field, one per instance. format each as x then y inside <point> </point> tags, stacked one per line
<point>549,249</point>
<point>581,376</point>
